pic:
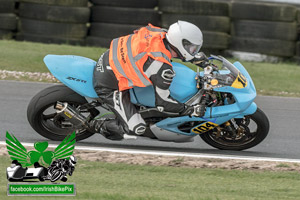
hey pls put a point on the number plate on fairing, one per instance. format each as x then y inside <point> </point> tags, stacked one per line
<point>204,127</point>
<point>240,82</point>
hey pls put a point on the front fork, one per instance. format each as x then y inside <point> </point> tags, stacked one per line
<point>236,127</point>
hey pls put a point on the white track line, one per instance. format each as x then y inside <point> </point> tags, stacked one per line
<point>178,154</point>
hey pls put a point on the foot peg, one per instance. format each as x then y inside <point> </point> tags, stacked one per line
<point>129,137</point>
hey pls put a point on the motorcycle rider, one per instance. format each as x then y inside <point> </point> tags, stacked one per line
<point>143,59</point>
<point>67,166</point>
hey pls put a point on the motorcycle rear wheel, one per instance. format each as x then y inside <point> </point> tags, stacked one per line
<point>41,113</point>
<point>258,131</point>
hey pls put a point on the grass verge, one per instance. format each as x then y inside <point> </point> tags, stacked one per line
<point>28,56</point>
<point>279,79</point>
<point>98,180</point>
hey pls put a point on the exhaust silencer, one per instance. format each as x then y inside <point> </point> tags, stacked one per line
<point>71,114</point>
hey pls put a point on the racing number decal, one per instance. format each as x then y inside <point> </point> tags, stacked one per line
<point>204,127</point>
<point>240,82</point>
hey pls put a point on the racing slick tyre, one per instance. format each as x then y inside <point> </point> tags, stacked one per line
<point>265,29</point>
<point>127,3</point>
<point>120,15</point>
<point>8,21</point>
<point>54,13</point>
<point>263,11</point>
<point>65,30</point>
<point>78,3</point>
<point>253,129</point>
<point>7,6</point>
<point>43,118</point>
<point>205,7</point>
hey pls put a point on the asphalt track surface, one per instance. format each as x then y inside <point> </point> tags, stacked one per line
<point>283,140</point>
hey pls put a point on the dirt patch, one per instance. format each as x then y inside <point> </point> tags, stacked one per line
<point>172,161</point>
<point>140,159</point>
<point>31,76</point>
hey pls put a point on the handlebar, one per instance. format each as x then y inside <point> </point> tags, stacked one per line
<point>218,78</point>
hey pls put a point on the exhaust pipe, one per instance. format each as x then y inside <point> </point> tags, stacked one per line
<point>71,114</point>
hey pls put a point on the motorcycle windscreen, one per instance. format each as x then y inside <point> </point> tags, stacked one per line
<point>183,87</point>
<point>76,72</point>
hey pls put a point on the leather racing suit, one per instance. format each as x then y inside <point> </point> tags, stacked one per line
<point>128,119</point>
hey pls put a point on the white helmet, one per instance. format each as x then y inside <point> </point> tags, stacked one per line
<point>186,38</point>
<point>73,160</point>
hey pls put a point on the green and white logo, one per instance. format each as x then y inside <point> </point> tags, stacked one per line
<point>48,165</point>
<point>27,158</point>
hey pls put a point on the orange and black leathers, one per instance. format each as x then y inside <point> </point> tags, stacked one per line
<point>156,70</point>
<point>143,59</point>
<point>128,55</point>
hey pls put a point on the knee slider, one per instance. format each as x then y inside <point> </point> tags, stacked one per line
<point>139,129</point>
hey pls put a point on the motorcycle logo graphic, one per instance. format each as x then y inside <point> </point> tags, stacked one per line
<point>48,165</point>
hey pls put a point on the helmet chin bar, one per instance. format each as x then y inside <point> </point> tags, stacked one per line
<point>180,56</point>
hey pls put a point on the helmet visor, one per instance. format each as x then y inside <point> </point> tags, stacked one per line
<point>191,48</point>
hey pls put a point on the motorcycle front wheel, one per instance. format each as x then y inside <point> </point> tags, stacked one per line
<point>239,134</point>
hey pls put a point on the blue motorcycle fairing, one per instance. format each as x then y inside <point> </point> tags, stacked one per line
<point>243,105</point>
<point>244,97</point>
<point>172,124</point>
<point>143,96</point>
<point>184,84</point>
<point>76,72</point>
<point>182,88</point>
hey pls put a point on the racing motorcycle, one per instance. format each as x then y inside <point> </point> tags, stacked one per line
<point>232,120</point>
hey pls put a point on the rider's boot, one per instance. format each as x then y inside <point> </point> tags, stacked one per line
<point>110,129</point>
<point>95,125</point>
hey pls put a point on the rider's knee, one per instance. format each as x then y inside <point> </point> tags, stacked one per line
<point>139,129</point>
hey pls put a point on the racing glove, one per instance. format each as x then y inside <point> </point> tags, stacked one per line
<point>200,60</point>
<point>196,110</point>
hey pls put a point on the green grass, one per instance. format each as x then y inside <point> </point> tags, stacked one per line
<point>28,56</point>
<point>283,165</point>
<point>97,180</point>
<point>275,79</point>
<point>281,79</point>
